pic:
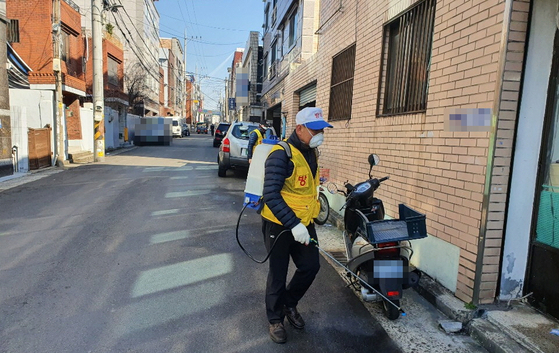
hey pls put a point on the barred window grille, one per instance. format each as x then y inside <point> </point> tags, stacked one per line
<point>406,61</point>
<point>12,33</point>
<point>341,88</point>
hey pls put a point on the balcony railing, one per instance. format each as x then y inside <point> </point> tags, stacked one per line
<point>72,5</point>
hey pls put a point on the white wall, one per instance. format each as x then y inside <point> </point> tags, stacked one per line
<point>29,109</point>
<point>38,103</point>
<point>20,139</point>
<point>86,117</point>
<point>111,128</point>
<point>527,148</point>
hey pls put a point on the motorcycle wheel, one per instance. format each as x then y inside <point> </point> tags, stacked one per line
<point>390,311</point>
<point>324,210</point>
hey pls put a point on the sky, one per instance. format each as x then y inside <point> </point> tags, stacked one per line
<point>214,29</point>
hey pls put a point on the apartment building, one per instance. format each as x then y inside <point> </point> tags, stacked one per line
<point>189,99</point>
<point>137,21</point>
<point>171,61</point>
<point>233,109</point>
<point>115,98</point>
<point>248,96</point>
<point>461,106</point>
<point>288,40</point>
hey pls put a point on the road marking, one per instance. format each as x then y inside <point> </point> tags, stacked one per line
<point>188,193</point>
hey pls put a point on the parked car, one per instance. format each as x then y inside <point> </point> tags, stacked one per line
<point>185,130</point>
<point>233,149</point>
<point>201,128</point>
<point>220,133</point>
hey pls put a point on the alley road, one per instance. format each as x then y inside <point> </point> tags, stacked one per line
<point>138,254</point>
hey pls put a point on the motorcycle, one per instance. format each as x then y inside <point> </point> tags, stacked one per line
<point>378,251</point>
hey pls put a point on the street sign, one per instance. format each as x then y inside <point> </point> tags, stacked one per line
<point>232,105</point>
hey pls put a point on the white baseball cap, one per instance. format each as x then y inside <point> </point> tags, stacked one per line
<point>312,118</point>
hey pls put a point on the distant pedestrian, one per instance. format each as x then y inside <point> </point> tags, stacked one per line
<point>255,138</point>
<point>212,127</point>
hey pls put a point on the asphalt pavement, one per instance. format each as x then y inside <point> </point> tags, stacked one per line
<point>138,254</point>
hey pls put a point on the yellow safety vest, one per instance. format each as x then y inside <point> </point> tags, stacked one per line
<point>258,140</point>
<point>299,190</point>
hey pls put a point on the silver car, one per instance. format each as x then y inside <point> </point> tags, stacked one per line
<point>233,148</point>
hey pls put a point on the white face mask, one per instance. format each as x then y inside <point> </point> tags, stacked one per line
<point>316,140</point>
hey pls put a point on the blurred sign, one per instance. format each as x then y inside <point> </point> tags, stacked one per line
<point>232,105</point>
<point>242,84</point>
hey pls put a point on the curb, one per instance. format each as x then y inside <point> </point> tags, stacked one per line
<point>493,339</point>
<point>476,323</point>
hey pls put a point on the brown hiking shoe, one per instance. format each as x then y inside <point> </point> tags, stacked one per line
<point>277,333</point>
<point>294,317</point>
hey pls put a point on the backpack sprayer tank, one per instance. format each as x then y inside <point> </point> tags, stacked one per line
<point>255,178</point>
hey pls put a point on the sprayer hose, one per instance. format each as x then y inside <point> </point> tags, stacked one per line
<point>244,250</point>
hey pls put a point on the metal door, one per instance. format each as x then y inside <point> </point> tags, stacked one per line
<point>39,148</point>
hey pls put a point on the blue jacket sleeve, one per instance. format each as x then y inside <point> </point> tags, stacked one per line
<point>252,138</point>
<point>278,167</point>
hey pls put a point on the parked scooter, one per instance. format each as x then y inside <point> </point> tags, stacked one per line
<point>378,251</point>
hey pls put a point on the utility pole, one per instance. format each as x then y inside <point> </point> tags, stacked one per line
<point>98,97</point>
<point>59,128</point>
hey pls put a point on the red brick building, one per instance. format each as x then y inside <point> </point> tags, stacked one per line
<point>36,48</point>
<point>189,90</point>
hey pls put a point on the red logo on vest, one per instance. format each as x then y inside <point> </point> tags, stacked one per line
<point>302,180</point>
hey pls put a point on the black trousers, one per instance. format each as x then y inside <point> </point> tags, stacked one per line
<point>305,258</point>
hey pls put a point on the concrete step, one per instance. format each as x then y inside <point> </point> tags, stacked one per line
<point>81,157</point>
<point>493,339</point>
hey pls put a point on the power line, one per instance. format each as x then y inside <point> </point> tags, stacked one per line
<point>201,25</point>
<point>200,41</point>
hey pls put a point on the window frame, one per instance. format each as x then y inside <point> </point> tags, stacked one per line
<point>406,60</point>
<point>12,31</point>
<point>341,84</point>
<point>116,81</point>
<point>292,21</point>
<point>65,46</point>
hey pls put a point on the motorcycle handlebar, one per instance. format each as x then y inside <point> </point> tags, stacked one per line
<point>383,179</point>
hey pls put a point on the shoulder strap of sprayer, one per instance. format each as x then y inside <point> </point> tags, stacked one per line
<point>286,147</point>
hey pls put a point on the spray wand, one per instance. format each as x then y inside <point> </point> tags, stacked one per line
<point>315,243</point>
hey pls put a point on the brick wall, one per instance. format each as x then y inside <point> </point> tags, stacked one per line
<point>73,121</point>
<point>116,52</point>
<point>36,43</point>
<point>440,173</point>
<point>506,104</point>
<point>35,23</point>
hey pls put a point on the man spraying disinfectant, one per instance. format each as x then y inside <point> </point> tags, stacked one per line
<point>288,207</point>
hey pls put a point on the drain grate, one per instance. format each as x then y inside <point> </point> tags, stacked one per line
<point>339,255</point>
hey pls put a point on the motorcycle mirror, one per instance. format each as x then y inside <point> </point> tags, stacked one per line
<point>332,188</point>
<point>373,159</point>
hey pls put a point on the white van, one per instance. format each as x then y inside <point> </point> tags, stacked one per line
<point>177,126</point>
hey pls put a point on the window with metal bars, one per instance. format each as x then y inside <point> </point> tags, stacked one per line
<point>341,87</point>
<point>406,59</point>
<point>12,31</point>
